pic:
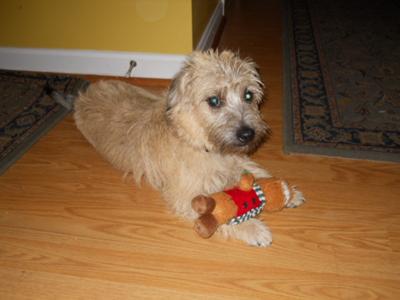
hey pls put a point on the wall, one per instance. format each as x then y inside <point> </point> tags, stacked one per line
<point>159,26</point>
<point>103,36</point>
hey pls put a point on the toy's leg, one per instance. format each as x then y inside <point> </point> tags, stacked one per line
<point>253,232</point>
<point>203,204</point>
<point>206,225</point>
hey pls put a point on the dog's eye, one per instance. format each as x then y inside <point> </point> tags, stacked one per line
<point>214,101</point>
<point>248,96</point>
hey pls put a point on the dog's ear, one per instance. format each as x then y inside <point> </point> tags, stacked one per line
<point>180,83</point>
<point>255,72</point>
<point>175,91</point>
<point>227,54</point>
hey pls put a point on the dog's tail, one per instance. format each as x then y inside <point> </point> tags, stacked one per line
<point>67,100</point>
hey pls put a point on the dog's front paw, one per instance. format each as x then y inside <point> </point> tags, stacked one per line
<point>253,232</point>
<point>296,200</point>
<point>261,237</point>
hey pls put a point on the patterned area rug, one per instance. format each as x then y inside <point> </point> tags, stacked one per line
<point>342,78</point>
<point>29,107</point>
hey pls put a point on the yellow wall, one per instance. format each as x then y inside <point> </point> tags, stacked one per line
<point>158,26</point>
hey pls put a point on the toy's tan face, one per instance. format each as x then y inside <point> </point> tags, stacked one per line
<point>217,97</point>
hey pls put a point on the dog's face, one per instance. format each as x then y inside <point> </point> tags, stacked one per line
<point>213,103</point>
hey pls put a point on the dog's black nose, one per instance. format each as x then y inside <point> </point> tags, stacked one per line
<point>245,134</point>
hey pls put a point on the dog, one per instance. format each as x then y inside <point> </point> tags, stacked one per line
<point>193,140</point>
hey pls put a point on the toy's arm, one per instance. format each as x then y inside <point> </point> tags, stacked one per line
<point>246,181</point>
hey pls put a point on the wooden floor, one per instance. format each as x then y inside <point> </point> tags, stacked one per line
<point>72,228</point>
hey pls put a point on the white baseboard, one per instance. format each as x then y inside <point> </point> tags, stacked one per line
<point>113,63</point>
<point>208,36</point>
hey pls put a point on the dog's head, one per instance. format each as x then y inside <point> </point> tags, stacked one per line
<point>213,103</point>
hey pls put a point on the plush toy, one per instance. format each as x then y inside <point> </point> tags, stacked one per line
<point>240,203</point>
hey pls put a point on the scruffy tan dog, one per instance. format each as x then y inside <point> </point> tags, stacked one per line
<point>193,141</point>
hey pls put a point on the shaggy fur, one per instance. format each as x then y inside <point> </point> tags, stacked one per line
<point>180,143</point>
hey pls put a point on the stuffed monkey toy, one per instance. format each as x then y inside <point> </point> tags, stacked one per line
<point>237,205</point>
